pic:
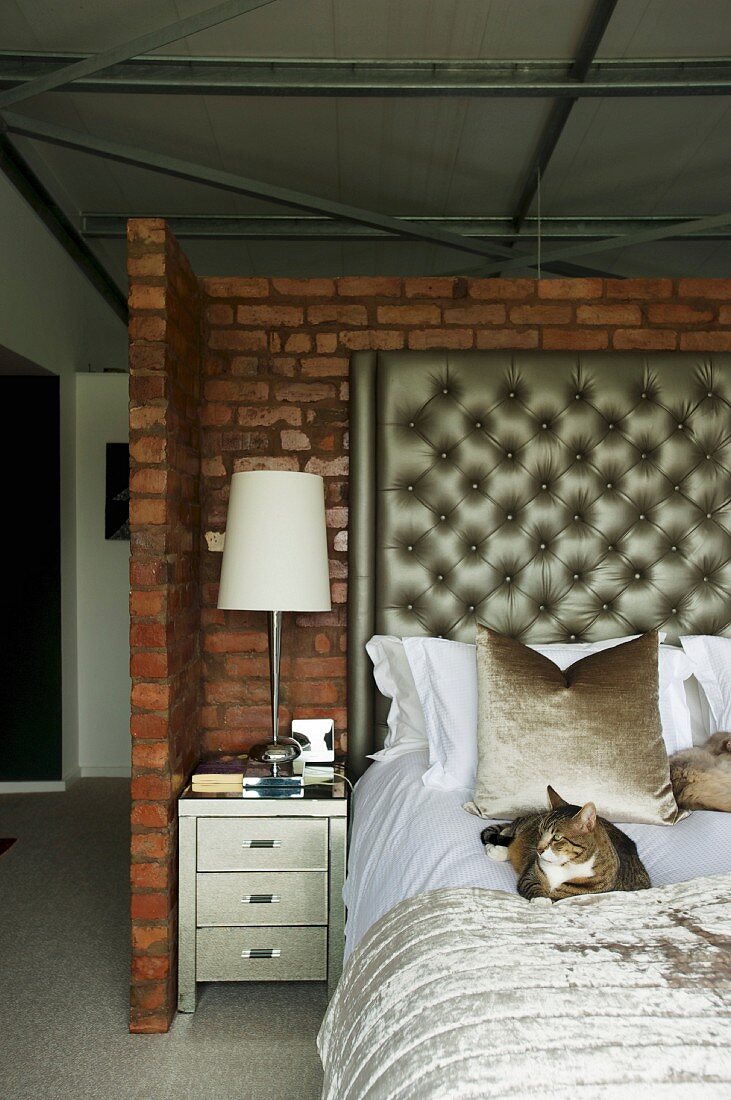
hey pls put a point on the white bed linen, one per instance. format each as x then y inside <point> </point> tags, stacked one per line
<point>407,839</point>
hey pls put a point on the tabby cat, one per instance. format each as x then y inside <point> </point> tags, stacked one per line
<point>567,851</point>
<point>701,776</point>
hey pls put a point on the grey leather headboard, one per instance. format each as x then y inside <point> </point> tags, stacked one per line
<point>552,496</point>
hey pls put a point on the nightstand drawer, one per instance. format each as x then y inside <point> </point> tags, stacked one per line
<point>261,954</point>
<point>260,897</point>
<point>262,844</point>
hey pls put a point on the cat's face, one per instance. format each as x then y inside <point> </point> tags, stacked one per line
<point>566,837</point>
<point>719,744</point>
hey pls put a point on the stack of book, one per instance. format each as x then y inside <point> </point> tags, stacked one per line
<point>220,774</point>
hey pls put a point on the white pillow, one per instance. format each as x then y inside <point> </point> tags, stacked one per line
<point>394,679</point>
<point>711,657</point>
<point>445,673</point>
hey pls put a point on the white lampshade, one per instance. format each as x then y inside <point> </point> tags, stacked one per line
<point>275,553</point>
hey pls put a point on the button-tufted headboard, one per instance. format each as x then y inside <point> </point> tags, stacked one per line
<point>553,496</point>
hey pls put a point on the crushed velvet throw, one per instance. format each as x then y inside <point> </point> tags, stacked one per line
<point>481,995</point>
<point>591,731</point>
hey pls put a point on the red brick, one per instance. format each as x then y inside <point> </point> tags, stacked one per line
<point>147,511</point>
<point>299,342</point>
<point>233,339</point>
<point>146,327</point>
<point>144,388</point>
<point>146,230</point>
<point>151,696</point>
<point>147,357</point>
<point>499,289</point>
<point>150,906</point>
<point>421,339</point>
<point>146,967</point>
<point>220,314</point>
<point>609,315</point>
<point>153,263</point>
<point>153,1023</point>
<point>155,756</point>
<point>651,289</point>
<point>442,287</point>
<point>227,641</point>
<point>153,938</point>
<point>147,572</point>
<point>149,876</point>
<point>236,389</point>
<point>146,604</point>
<point>146,416</point>
<point>254,418</point>
<point>319,668</point>
<point>235,288</point>
<point>149,665</point>
<point>645,339</point>
<point>507,338</point>
<point>142,296</point>
<point>287,316</point>
<point>409,315</point>
<point>705,288</point>
<point>148,448</point>
<point>241,465</point>
<point>150,788</point>
<point>303,391</point>
<point>295,441</point>
<point>368,287</point>
<point>705,341</point>
<point>322,643</point>
<point>215,416</point>
<point>336,517</point>
<point>379,339</point>
<point>148,482</point>
<point>678,314</point>
<point>724,315</point>
<point>327,342</point>
<point>475,315</point>
<point>570,288</point>
<point>541,315</point>
<point>319,366</point>
<point>575,339</point>
<point>328,467</point>
<point>148,727</point>
<point>304,288</point>
<point>337,314</point>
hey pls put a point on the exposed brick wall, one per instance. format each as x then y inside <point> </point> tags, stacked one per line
<point>276,396</point>
<point>164,357</point>
<point>273,366</point>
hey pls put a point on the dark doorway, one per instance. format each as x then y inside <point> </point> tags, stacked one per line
<point>30,600</point>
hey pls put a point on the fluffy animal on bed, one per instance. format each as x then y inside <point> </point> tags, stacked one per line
<point>568,850</point>
<point>701,776</point>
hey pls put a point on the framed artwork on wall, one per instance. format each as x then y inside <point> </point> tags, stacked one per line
<point>116,507</point>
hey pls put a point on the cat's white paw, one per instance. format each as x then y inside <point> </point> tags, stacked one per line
<point>498,852</point>
<point>541,901</point>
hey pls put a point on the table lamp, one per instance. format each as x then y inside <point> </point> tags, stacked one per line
<point>275,560</point>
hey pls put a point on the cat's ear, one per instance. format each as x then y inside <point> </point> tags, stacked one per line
<point>585,819</point>
<point>555,799</point>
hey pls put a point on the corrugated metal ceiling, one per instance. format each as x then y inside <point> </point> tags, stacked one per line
<point>443,156</point>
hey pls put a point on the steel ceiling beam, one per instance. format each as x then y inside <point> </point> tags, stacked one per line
<point>361,77</point>
<point>598,21</point>
<point>142,44</point>
<point>299,227</point>
<point>590,248</point>
<point>242,185</point>
<point>21,175</point>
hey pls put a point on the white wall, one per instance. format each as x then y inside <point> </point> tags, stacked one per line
<point>102,582</point>
<point>51,314</point>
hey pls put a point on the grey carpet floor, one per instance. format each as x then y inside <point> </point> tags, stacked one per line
<point>64,977</point>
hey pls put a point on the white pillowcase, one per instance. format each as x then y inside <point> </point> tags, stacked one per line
<point>445,674</point>
<point>394,679</point>
<point>711,657</point>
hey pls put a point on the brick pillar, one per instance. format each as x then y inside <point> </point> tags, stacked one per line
<point>164,357</point>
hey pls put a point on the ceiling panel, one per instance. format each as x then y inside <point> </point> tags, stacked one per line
<point>668,28</point>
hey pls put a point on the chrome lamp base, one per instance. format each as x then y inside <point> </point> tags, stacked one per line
<point>281,751</point>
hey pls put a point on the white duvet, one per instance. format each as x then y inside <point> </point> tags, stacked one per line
<point>468,994</point>
<point>407,840</point>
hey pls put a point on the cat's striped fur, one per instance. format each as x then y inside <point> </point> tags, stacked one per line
<point>567,850</point>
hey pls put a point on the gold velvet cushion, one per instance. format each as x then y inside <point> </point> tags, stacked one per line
<point>592,731</point>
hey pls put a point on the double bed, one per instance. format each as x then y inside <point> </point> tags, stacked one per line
<point>555,498</point>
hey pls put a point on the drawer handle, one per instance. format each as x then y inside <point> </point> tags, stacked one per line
<point>260,899</point>
<point>261,953</point>
<point>261,844</point>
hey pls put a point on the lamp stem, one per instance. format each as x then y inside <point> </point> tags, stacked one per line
<point>275,652</point>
